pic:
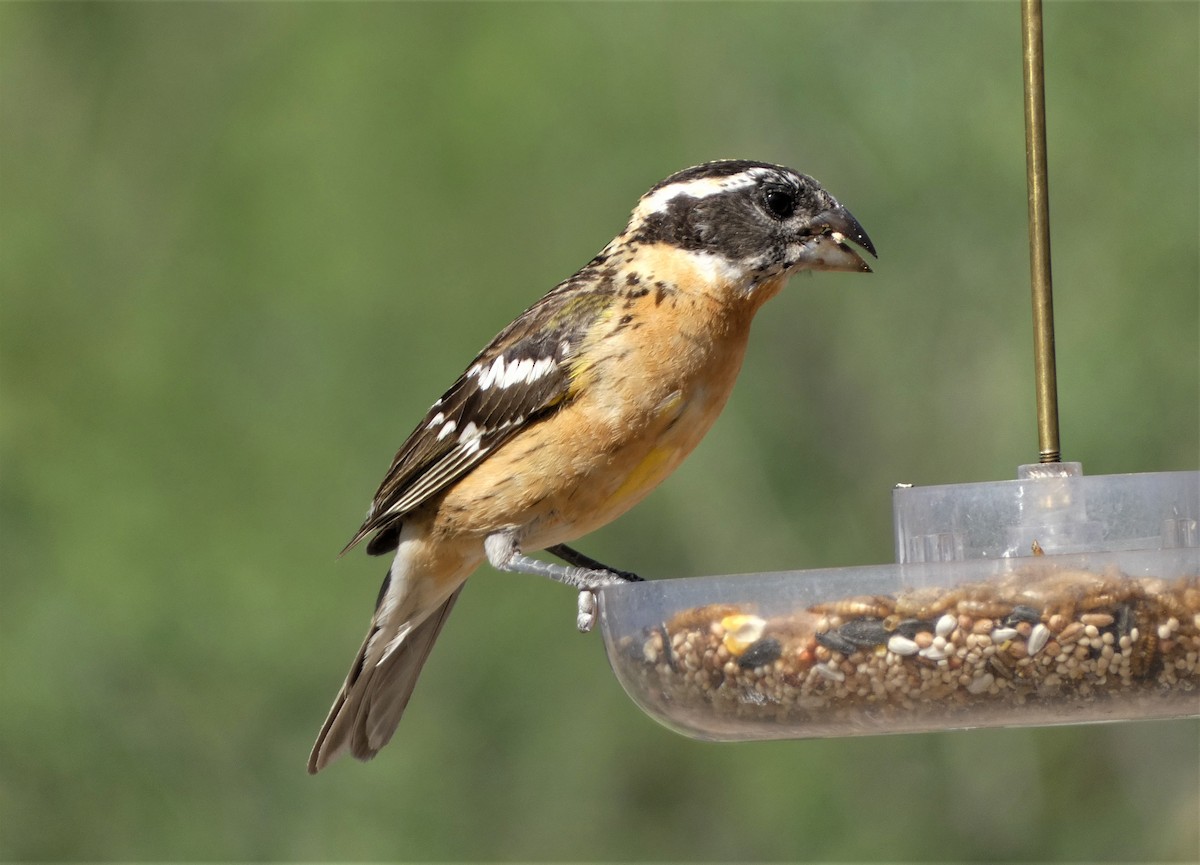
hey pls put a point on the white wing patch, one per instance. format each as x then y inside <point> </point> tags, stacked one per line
<point>486,407</point>
<point>504,374</point>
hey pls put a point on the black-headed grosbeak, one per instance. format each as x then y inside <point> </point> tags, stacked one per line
<point>577,410</point>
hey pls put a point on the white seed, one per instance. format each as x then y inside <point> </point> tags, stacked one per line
<point>1001,634</point>
<point>1164,631</point>
<point>945,626</point>
<point>981,684</point>
<point>901,645</point>
<point>830,673</point>
<point>1037,638</point>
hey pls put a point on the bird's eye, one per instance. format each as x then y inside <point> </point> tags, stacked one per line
<point>780,202</point>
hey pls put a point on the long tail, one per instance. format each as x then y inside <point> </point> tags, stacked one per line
<point>381,680</point>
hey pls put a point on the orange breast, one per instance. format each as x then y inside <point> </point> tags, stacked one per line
<point>649,382</point>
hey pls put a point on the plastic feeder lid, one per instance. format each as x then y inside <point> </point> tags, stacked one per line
<point>1054,598</point>
<point>1054,508</point>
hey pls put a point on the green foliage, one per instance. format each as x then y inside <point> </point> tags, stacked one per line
<point>244,246</point>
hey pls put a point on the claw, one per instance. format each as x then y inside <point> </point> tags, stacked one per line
<point>585,618</point>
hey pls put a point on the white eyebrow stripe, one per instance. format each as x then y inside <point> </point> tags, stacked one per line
<point>701,187</point>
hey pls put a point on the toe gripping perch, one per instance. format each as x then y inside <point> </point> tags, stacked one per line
<point>581,572</point>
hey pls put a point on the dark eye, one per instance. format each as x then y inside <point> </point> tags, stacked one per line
<point>780,202</point>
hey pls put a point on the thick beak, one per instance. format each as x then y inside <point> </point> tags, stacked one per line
<point>828,247</point>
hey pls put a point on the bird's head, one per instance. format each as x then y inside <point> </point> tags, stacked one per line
<point>757,222</point>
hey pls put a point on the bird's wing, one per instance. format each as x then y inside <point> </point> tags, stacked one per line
<point>521,375</point>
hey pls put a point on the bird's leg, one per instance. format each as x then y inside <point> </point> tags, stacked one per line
<point>505,555</point>
<point>574,557</point>
<point>585,617</point>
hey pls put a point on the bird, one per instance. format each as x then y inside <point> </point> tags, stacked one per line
<point>576,410</point>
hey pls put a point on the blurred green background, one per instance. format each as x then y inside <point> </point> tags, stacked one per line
<point>244,247</point>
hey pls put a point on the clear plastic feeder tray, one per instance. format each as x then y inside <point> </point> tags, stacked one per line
<point>1052,599</point>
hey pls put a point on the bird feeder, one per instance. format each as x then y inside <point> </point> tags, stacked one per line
<point>1053,598</point>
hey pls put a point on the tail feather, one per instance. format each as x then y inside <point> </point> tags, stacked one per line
<point>368,708</point>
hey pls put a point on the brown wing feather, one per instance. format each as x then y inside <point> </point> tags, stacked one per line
<point>483,409</point>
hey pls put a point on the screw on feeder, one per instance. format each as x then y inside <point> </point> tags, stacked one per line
<point>1039,232</point>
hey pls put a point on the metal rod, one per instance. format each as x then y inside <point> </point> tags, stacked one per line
<point>1039,232</point>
